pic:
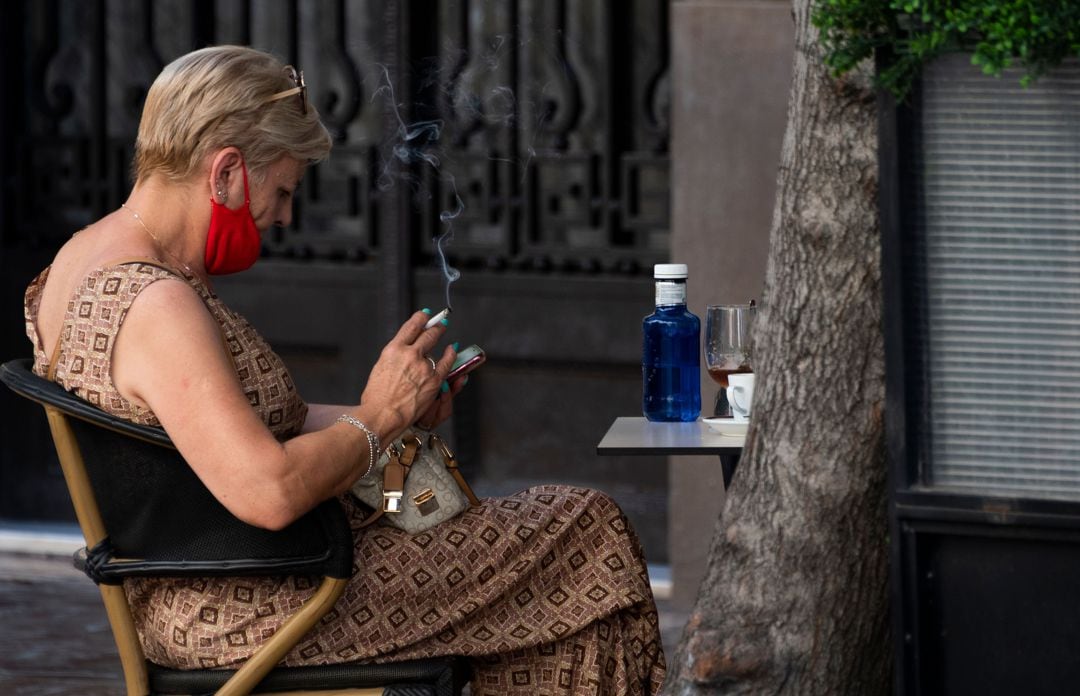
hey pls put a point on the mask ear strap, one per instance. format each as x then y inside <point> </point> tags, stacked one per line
<point>247,193</point>
<point>247,190</point>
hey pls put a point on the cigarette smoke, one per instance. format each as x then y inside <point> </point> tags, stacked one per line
<point>418,142</point>
<point>492,105</point>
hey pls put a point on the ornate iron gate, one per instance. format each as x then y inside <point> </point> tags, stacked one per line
<point>530,134</point>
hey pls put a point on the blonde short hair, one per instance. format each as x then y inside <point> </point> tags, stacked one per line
<point>219,97</point>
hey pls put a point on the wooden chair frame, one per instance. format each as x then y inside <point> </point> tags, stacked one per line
<point>435,677</point>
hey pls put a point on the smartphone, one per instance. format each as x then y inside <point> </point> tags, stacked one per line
<point>468,359</point>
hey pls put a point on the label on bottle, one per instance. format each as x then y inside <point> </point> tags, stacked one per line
<point>670,292</point>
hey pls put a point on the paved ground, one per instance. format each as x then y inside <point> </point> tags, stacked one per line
<point>56,641</point>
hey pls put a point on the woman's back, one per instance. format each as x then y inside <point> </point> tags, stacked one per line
<point>104,241</point>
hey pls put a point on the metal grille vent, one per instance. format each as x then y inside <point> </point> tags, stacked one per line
<point>997,260</point>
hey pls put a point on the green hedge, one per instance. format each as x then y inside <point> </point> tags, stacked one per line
<point>1033,34</point>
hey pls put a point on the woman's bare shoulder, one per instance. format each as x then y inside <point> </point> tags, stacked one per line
<point>167,330</point>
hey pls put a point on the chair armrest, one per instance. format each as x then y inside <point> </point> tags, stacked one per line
<point>104,565</point>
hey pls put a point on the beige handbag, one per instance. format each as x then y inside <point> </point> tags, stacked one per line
<point>415,485</point>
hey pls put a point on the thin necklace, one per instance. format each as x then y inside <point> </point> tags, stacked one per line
<point>157,242</point>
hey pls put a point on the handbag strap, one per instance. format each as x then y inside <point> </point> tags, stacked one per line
<point>437,443</point>
<point>411,445</point>
<point>394,474</point>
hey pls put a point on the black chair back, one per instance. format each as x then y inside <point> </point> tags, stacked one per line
<point>156,510</point>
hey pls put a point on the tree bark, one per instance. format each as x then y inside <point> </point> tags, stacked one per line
<point>794,599</point>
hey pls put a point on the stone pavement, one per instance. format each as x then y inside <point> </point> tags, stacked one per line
<point>56,640</point>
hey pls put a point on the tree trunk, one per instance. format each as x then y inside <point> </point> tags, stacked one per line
<point>794,599</point>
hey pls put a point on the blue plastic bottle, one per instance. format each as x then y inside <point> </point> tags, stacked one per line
<point>670,351</point>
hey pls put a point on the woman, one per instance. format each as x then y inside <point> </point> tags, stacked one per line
<point>544,590</point>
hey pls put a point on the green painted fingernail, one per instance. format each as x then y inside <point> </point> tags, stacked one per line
<point>455,346</point>
<point>444,322</point>
<point>465,380</point>
<point>445,387</point>
<point>425,310</point>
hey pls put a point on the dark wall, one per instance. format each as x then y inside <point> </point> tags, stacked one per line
<point>551,137</point>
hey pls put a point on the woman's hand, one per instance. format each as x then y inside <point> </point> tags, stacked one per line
<point>443,407</point>
<point>404,385</point>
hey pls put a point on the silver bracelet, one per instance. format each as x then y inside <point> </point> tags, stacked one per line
<point>372,440</point>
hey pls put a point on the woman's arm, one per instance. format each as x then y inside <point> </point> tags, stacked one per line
<point>169,357</point>
<point>321,416</point>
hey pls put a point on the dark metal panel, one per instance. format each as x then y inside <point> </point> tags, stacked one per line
<point>996,610</point>
<point>319,317</point>
<point>327,48</point>
<point>232,22</point>
<point>960,506</point>
<point>274,27</point>
<point>31,481</point>
<point>133,60</point>
<point>12,35</point>
<point>551,318</point>
<point>63,150</point>
<point>895,397</point>
<point>395,241</point>
<point>892,288</point>
<point>905,598</point>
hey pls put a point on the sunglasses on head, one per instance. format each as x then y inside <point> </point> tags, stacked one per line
<point>300,89</point>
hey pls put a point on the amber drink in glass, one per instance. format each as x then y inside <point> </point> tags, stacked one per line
<point>727,346</point>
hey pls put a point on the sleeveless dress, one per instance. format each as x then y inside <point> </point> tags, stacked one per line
<point>546,590</point>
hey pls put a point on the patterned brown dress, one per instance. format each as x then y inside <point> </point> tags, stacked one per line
<point>545,590</point>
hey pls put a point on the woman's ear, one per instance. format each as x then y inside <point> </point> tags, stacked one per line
<point>226,175</point>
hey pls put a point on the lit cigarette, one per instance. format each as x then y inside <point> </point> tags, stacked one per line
<point>437,318</point>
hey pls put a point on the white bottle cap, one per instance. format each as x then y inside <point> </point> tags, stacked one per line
<point>669,270</point>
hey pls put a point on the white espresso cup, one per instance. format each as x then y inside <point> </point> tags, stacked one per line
<point>740,394</point>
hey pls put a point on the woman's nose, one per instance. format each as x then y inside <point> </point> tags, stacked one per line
<point>284,217</point>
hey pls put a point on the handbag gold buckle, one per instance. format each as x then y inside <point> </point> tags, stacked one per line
<point>391,501</point>
<point>426,502</point>
<point>437,443</point>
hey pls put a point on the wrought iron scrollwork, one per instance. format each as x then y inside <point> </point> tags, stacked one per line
<point>551,121</point>
<point>571,173</point>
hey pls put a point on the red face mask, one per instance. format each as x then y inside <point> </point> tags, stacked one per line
<point>233,242</point>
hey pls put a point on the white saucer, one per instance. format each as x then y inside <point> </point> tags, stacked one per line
<point>727,426</point>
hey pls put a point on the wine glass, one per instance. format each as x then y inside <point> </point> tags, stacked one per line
<point>727,346</point>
